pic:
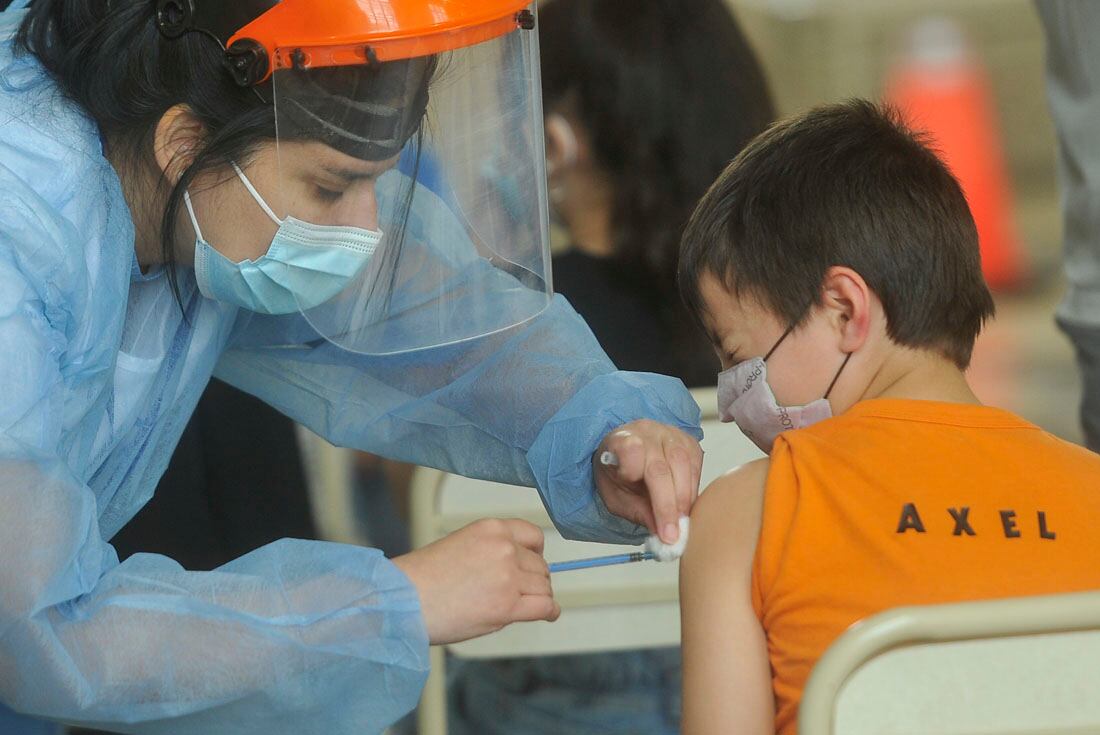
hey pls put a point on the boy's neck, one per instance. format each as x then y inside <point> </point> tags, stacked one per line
<point>920,375</point>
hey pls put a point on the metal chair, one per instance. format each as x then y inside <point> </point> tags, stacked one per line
<point>1025,665</point>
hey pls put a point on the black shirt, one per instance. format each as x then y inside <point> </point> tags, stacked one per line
<point>640,325</point>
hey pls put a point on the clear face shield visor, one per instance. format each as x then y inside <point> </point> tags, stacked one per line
<point>442,153</point>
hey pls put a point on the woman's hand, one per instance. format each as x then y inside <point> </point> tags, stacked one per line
<point>657,477</point>
<point>481,578</point>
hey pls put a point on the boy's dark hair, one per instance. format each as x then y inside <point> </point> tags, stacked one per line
<point>845,184</point>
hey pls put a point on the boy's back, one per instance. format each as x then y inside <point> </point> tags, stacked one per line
<point>900,502</point>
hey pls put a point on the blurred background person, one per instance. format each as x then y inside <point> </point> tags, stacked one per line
<point>1073,91</point>
<point>645,103</point>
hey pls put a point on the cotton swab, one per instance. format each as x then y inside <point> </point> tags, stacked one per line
<point>654,547</point>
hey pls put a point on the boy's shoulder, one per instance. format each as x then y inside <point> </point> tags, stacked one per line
<point>725,521</point>
<point>737,486</point>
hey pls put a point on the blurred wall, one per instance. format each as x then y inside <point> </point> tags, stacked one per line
<point>819,51</point>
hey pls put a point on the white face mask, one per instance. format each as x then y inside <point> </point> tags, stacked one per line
<point>305,265</point>
<point>745,397</point>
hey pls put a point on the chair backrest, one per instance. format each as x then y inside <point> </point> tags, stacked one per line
<point>329,479</point>
<point>1025,665</point>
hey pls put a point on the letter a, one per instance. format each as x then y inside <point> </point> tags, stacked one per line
<point>910,519</point>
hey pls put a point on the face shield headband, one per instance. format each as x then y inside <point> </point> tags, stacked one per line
<point>369,111</point>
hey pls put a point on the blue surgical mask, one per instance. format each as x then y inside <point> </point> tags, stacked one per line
<point>305,266</point>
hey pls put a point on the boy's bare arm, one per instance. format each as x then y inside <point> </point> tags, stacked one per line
<point>727,676</point>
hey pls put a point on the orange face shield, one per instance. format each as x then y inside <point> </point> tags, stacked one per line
<point>263,36</point>
<point>420,118</point>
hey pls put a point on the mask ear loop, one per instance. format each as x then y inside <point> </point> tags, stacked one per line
<point>837,376</point>
<point>255,194</point>
<point>779,342</point>
<point>191,214</point>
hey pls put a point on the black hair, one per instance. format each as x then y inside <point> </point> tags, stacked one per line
<point>669,92</point>
<point>844,185</point>
<point>110,58</point>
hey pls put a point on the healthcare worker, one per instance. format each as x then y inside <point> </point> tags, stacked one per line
<point>198,187</point>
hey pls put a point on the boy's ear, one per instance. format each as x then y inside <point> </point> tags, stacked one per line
<point>847,299</point>
<point>178,137</point>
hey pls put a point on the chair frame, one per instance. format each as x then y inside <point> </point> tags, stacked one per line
<point>928,624</point>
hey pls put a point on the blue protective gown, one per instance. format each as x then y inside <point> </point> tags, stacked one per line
<point>99,372</point>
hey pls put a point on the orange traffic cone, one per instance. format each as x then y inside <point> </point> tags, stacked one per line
<point>942,89</point>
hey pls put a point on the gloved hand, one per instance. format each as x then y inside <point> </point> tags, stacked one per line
<point>481,578</point>
<point>656,479</point>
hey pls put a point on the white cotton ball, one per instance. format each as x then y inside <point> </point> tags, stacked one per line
<point>669,552</point>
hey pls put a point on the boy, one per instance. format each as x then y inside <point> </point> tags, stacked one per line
<point>835,266</point>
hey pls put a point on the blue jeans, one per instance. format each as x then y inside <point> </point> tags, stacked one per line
<point>629,692</point>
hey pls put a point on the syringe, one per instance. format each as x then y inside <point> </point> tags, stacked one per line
<point>600,561</point>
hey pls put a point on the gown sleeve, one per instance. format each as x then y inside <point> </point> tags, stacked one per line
<point>295,637</point>
<point>526,406</point>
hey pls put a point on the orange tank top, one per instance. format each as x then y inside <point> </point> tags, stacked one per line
<point>899,502</point>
